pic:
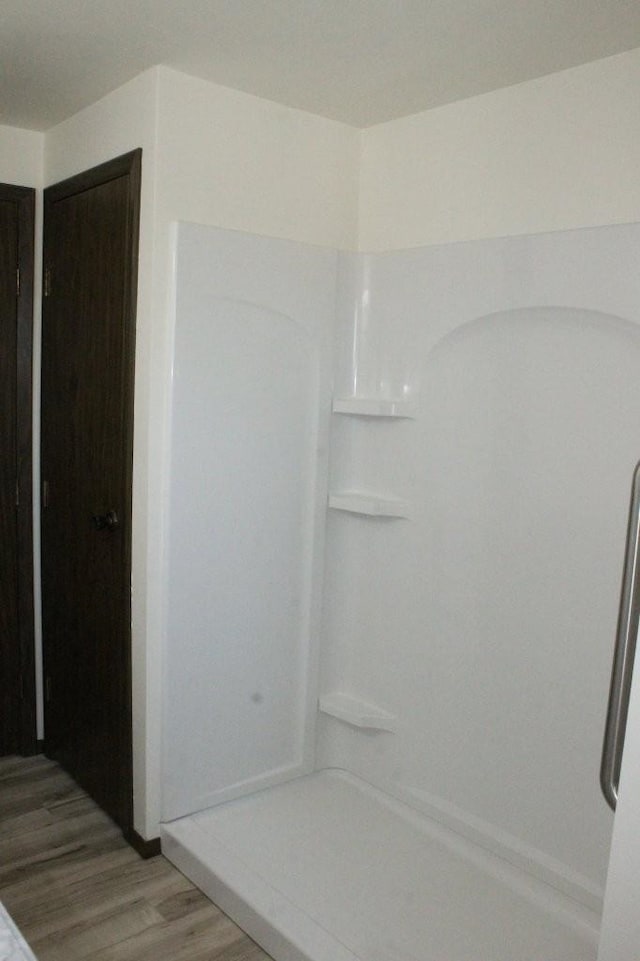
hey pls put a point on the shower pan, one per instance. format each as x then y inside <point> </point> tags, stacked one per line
<point>397,513</point>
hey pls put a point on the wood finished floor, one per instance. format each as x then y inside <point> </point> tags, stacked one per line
<point>77,891</point>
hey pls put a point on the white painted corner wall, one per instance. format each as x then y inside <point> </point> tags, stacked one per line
<point>21,156</point>
<point>233,160</point>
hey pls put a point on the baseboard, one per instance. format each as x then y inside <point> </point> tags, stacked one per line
<point>146,849</point>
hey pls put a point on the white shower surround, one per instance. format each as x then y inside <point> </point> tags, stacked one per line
<point>249,445</point>
<point>512,355</point>
<point>520,358</point>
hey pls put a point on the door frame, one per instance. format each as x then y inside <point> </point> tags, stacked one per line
<point>128,165</point>
<point>24,199</point>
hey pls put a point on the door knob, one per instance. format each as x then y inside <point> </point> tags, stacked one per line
<point>108,521</point>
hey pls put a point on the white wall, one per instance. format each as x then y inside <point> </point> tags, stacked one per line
<point>559,152</point>
<point>236,161</point>
<point>21,156</point>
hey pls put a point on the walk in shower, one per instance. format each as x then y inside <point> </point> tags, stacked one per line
<point>397,518</point>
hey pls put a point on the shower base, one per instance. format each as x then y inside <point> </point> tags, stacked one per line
<point>327,868</point>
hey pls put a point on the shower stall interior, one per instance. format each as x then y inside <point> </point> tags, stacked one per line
<point>397,513</point>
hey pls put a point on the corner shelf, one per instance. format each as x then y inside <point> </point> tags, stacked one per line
<point>373,407</point>
<point>357,713</point>
<point>367,503</point>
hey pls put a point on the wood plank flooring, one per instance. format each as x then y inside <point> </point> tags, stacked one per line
<point>77,891</point>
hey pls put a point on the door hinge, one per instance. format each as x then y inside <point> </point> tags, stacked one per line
<point>45,493</point>
<point>47,281</point>
<point>17,281</point>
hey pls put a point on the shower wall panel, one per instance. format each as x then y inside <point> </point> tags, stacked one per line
<point>249,436</point>
<point>478,628</point>
<point>484,621</point>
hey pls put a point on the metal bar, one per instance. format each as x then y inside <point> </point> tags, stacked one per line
<point>624,654</point>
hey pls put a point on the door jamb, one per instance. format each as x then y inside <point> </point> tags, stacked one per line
<point>24,198</point>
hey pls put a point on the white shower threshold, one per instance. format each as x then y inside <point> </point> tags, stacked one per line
<point>327,868</point>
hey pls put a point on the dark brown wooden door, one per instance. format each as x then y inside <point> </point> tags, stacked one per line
<point>90,254</point>
<point>17,678</point>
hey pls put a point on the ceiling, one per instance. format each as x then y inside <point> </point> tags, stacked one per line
<point>357,61</point>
